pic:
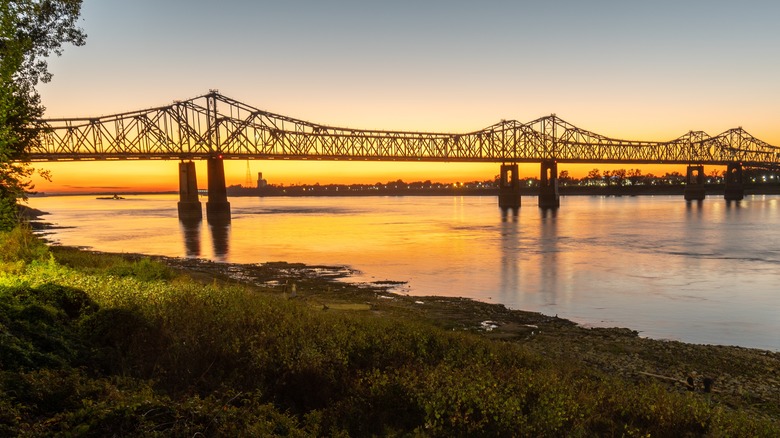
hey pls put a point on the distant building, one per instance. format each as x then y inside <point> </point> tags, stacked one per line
<point>261,183</point>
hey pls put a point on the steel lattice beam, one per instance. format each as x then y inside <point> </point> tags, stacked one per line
<point>213,124</point>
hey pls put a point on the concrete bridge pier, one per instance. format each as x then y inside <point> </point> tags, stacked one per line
<point>509,187</point>
<point>694,183</point>
<point>189,204</point>
<point>217,206</point>
<point>735,190</point>
<point>548,185</point>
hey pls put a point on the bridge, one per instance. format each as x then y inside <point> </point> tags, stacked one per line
<point>213,127</point>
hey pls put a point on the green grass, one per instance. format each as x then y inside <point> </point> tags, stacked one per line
<point>98,345</point>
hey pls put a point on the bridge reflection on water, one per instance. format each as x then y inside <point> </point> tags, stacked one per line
<point>219,236</point>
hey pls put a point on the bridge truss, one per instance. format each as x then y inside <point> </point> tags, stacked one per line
<point>213,125</point>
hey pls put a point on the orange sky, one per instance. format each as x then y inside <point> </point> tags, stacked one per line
<point>125,176</point>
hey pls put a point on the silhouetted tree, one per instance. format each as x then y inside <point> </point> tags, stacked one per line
<point>634,175</point>
<point>674,177</point>
<point>619,175</point>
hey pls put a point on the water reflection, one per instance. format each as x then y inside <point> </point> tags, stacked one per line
<point>736,204</point>
<point>510,265</point>
<point>694,239</point>
<point>548,242</point>
<point>547,211</point>
<point>190,229</point>
<point>698,203</point>
<point>220,237</point>
<point>509,211</point>
<point>692,207</point>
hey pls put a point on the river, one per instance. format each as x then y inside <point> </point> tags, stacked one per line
<point>704,272</point>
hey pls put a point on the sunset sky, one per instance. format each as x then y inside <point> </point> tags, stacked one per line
<point>626,69</point>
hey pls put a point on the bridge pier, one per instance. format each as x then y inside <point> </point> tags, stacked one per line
<point>694,183</point>
<point>217,206</point>
<point>548,185</point>
<point>509,186</point>
<point>189,204</point>
<point>735,191</point>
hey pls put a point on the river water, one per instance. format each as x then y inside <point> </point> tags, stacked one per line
<point>704,272</point>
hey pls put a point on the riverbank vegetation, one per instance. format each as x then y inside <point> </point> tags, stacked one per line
<point>100,345</point>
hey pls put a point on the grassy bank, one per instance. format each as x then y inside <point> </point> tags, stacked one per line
<point>100,345</point>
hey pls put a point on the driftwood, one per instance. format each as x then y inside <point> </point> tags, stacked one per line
<point>687,383</point>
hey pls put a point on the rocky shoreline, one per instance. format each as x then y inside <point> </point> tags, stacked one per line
<point>734,377</point>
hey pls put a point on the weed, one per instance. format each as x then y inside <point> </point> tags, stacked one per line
<point>20,244</point>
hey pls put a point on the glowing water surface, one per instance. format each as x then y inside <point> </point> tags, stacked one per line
<point>703,272</point>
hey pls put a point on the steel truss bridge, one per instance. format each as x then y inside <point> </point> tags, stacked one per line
<point>213,125</point>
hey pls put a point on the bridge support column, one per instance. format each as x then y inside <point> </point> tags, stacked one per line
<point>548,185</point>
<point>735,191</point>
<point>189,204</point>
<point>217,206</point>
<point>509,187</point>
<point>694,183</point>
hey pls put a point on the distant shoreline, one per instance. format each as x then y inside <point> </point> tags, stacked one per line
<point>298,191</point>
<point>103,193</point>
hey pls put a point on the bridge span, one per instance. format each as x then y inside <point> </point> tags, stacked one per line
<point>214,127</point>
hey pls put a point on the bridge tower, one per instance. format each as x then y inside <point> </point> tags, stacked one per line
<point>694,183</point>
<point>735,190</point>
<point>548,185</point>
<point>217,206</point>
<point>509,186</point>
<point>189,204</point>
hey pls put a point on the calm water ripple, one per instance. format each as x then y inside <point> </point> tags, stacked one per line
<point>698,272</point>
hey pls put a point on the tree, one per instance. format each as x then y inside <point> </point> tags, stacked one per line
<point>619,175</point>
<point>30,31</point>
<point>608,177</point>
<point>594,176</point>
<point>674,178</point>
<point>634,175</point>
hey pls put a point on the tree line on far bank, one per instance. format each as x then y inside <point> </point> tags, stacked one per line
<point>594,178</point>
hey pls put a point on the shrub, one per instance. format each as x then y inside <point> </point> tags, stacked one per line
<point>144,268</point>
<point>20,244</point>
<point>122,341</point>
<point>38,326</point>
